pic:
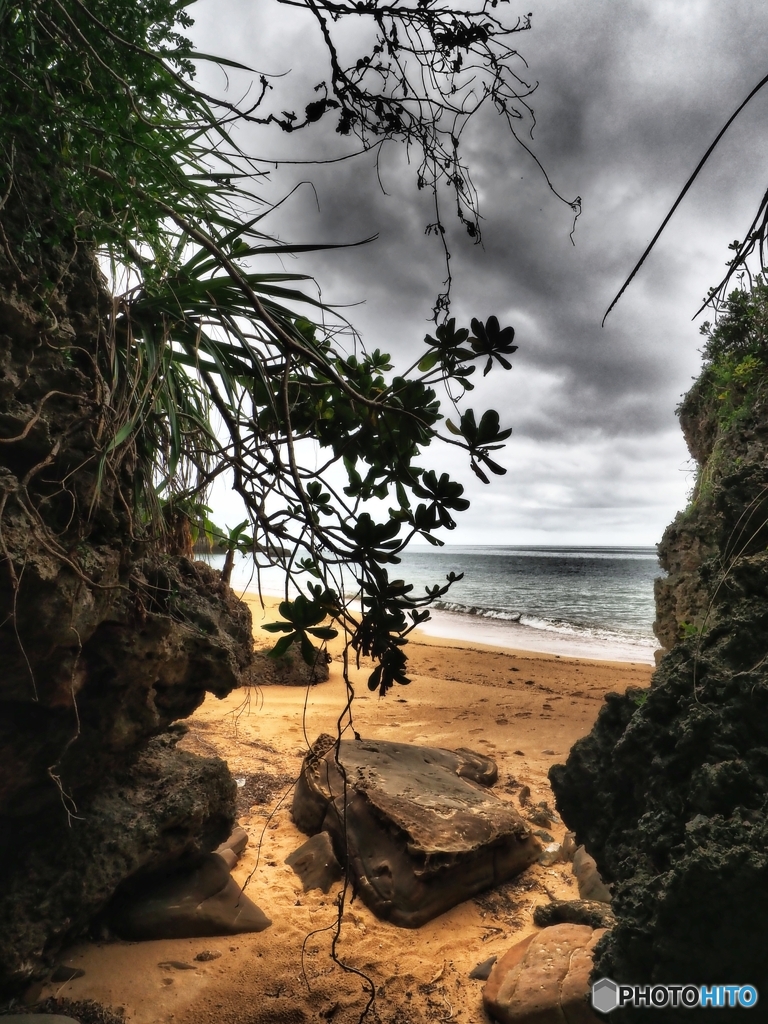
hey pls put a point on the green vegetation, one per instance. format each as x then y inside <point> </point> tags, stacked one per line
<point>689,630</point>
<point>214,367</point>
<point>736,353</point>
<point>741,328</point>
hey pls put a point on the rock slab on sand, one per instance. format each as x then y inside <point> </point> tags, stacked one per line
<point>423,832</point>
<point>201,901</point>
<point>544,978</point>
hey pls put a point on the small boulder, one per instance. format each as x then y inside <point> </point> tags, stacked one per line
<point>542,814</point>
<point>237,842</point>
<point>231,849</point>
<point>315,863</point>
<point>591,885</point>
<point>551,854</point>
<point>288,670</point>
<point>482,971</point>
<point>544,978</point>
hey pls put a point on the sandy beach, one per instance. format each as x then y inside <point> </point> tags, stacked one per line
<point>524,709</point>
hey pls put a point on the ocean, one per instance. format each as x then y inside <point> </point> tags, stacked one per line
<point>589,602</point>
<point>585,601</point>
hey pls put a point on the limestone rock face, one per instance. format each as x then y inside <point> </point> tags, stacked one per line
<point>70,754</point>
<point>669,791</point>
<point>727,519</point>
<point>289,670</point>
<point>423,831</point>
<point>104,641</point>
<point>135,673</point>
<point>544,979</point>
<point>162,806</point>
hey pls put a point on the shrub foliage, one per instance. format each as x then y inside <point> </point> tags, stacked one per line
<point>218,365</point>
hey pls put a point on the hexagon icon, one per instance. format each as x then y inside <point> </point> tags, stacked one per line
<point>605,995</point>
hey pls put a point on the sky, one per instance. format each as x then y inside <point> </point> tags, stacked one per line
<point>630,94</point>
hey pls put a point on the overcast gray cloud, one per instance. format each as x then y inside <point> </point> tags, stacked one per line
<point>631,92</point>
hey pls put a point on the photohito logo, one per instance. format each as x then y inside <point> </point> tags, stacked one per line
<point>607,995</point>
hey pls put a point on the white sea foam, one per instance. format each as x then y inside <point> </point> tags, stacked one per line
<point>544,638</point>
<point>484,613</point>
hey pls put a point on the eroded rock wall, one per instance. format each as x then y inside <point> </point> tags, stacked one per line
<point>669,791</point>
<point>157,807</point>
<point>727,516</point>
<point>104,641</point>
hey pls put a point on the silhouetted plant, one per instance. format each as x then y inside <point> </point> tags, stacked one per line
<point>214,368</point>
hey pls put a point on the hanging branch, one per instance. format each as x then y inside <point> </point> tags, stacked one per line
<point>743,249</point>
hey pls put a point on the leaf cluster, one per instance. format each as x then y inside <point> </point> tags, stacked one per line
<point>454,350</point>
<point>301,620</point>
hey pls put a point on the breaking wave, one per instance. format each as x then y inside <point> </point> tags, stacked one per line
<point>554,625</point>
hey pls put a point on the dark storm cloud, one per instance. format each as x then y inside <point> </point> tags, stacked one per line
<point>630,95</point>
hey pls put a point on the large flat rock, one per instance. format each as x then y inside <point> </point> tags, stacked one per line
<point>419,825</point>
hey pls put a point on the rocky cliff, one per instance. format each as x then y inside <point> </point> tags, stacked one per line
<point>669,791</point>
<point>104,640</point>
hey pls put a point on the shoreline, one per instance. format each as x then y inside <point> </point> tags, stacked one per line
<point>524,709</point>
<point>449,627</point>
<point>532,633</point>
